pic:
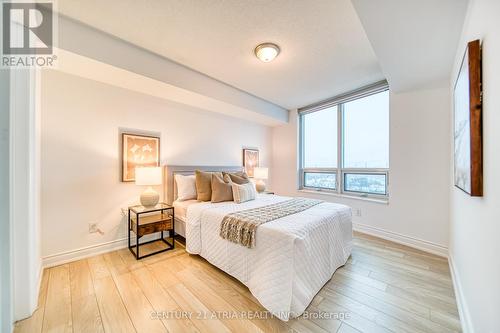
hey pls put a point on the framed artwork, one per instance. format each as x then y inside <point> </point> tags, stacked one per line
<point>138,150</point>
<point>468,152</point>
<point>250,160</point>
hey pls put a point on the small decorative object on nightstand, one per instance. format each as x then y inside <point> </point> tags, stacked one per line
<point>260,174</point>
<point>148,220</point>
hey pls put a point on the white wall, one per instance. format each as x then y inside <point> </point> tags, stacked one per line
<point>5,263</point>
<point>24,190</point>
<point>417,212</point>
<point>81,120</point>
<point>475,222</point>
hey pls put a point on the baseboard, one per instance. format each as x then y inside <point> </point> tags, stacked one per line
<point>89,251</point>
<point>416,243</point>
<point>463,309</point>
<point>84,252</point>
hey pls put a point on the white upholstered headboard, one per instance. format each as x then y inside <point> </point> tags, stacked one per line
<point>170,189</point>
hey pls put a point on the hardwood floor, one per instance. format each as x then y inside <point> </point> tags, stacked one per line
<point>384,287</point>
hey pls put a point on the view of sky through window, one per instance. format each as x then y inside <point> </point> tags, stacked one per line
<point>320,139</point>
<point>366,132</point>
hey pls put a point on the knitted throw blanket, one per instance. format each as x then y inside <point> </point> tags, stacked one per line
<point>240,227</point>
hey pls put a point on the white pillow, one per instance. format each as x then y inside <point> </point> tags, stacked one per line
<point>186,187</point>
<point>244,192</point>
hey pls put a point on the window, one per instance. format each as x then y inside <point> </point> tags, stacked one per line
<point>344,143</point>
<point>366,132</point>
<point>365,183</point>
<point>319,128</point>
<point>326,180</point>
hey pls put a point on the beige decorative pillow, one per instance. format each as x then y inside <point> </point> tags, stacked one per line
<point>204,185</point>
<point>243,193</point>
<point>221,190</point>
<point>236,177</point>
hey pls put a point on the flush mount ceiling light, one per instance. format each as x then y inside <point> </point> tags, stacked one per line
<point>267,51</point>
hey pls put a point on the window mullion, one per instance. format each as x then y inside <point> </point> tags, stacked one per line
<point>340,153</point>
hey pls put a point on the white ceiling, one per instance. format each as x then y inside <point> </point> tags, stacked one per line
<point>415,41</point>
<point>324,48</point>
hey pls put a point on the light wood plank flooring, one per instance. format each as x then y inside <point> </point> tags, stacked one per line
<point>384,287</point>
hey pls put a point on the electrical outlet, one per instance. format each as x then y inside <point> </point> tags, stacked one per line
<point>357,212</point>
<point>93,227</point>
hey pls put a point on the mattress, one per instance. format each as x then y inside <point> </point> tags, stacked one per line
<point>180,215</point>
<point>293,257</point>
<point>181,208</point>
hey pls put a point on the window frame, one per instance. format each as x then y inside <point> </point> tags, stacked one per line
<point>370,171</point>
<point>320,170</point>
<point>340,171</point>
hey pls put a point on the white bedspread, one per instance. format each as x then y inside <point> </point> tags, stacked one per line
<point>293,258</point>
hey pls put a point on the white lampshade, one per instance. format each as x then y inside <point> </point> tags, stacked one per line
<point>260,173</point>
<point>148,176</point>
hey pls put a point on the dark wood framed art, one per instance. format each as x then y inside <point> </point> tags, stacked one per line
<point>468,150</point>
<point>250,160</point>
<point>138,150</point>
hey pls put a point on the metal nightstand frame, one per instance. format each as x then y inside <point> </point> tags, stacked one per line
<point>137,244</point>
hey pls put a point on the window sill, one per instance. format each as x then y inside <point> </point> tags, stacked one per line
<point>346,196</point>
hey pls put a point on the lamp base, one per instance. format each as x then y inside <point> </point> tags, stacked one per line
<point>260,186</point>
<point>149,197</point>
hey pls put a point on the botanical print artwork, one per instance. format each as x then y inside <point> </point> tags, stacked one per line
<point>138,150</point>
<point>250,160</point>
<point>462,130</point>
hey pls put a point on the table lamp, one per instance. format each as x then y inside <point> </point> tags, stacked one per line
<point>149,176</point>
<point>260,174</point>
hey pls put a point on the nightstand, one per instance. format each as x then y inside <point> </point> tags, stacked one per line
<point>149,220</point>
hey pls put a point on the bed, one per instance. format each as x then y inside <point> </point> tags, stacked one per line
<point>181,208</point>
<point>294,256</point>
